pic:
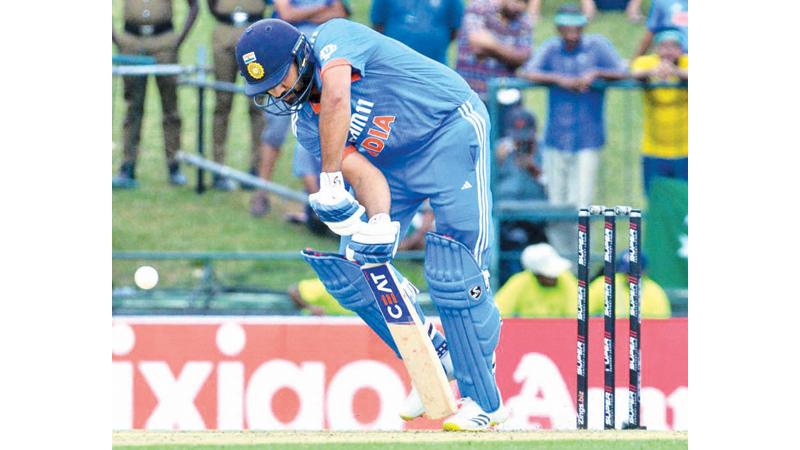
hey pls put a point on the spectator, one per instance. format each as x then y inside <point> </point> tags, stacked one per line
<point>575,133</point>
<point>427,26</point>
<point>665,141</point>
<point>666,15</point>
<point>149,31</point>
<point>311,297</point>
<point>305,15</point>
<point>587,6</point>
<point>496,38</point>
<point>232,17</point>
<point>518,178</point>
<point>653,301</point>
<point>518,159</point>
<point>546,288</point>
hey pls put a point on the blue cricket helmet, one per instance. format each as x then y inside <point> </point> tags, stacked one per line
<point>265,52</point>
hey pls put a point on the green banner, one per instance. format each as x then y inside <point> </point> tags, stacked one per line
<point>666,236</point>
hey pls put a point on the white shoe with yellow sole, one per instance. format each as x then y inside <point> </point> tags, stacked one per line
<point>470,417</point>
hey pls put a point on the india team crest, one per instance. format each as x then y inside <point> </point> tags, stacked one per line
<point>255,70</point>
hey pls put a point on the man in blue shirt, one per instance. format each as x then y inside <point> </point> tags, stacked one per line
<point>666,15</point>
<point>427,26</point>
<point>400,129</point>
<point>575,133</point>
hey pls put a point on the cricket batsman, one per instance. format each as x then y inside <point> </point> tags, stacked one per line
<point>398,128</point>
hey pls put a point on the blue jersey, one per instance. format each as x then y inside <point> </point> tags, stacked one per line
<point>398,97</point>
<point>575,119</point>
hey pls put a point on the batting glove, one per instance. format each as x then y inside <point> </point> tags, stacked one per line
<point>335,206</point>
<point>374,242</point>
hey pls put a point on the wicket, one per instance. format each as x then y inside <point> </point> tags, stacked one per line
<point>609,314</point>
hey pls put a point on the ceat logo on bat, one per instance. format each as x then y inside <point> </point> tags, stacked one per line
<point>387,295</point>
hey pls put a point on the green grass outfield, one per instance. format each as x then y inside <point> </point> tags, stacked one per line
<point>156,217</point>
<point>567,440</point>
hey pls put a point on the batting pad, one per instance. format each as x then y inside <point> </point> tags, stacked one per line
<point>345,281</point>
<point>469,316</point>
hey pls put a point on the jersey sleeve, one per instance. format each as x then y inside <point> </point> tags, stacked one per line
<point>340,42</point>
<point>540,61</point>
<point>608,58</point>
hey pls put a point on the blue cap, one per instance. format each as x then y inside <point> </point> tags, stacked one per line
<point>265,52</point>
<point>667,35</point>
<point>570,16</point>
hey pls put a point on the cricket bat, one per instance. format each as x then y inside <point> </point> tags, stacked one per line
<point>416,348</point>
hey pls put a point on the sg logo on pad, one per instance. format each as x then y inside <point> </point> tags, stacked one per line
<point>475,292</point>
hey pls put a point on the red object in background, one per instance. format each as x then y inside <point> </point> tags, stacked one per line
<point>333,373</point>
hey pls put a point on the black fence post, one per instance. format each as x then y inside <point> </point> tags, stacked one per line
<point>201,76</point>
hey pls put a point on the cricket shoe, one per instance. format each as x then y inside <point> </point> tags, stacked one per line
<point>412,406</point>
<point>471,417</point>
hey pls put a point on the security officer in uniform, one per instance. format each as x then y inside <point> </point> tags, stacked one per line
<point>148,30</point>
<point>232,17</point>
